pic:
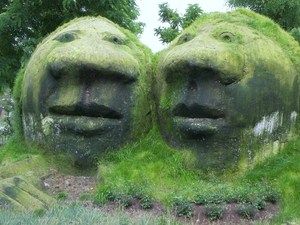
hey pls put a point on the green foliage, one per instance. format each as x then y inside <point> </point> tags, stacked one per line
<point>147,202</point>
<point>215,195</point>
<point>123,194</point>
<point>259,203</point>
<point>295,32</point>
<point>182,207</point>
<point>84,197</point>
<point>76,204</point>
<point>214,211</point>
<point>23,24</point>
<point>62,196</point>
<point>247,211</point>
<point>284,12</point>
<point>176,21</point>
<point>82,215</point>
<point>39,212</point>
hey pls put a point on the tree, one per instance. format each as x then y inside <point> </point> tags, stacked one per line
<point>284,12</point>
<point>24,23</point>
<point>176,21</point>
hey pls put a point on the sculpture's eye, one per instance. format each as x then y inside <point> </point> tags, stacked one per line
<point>227,36</point>
<point>66,37</point>
<point>114,39</point>
<point>184,38</point>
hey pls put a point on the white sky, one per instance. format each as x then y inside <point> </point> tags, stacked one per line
<point>149,15</point>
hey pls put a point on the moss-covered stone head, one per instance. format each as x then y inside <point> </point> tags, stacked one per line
<point>227,88</point>
<point>85,90</point>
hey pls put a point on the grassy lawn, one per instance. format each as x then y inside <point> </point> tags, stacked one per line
<point>149,170</point>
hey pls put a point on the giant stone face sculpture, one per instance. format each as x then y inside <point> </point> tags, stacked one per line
<point>228,89</point>
<point>85,90</point>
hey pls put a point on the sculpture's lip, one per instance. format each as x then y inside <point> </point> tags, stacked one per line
<point>197,119</point>
<point>198,126</point>
<point>84,125</point>
<point>85,109</point>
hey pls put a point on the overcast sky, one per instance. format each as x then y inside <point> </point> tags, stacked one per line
<point>149,15</point>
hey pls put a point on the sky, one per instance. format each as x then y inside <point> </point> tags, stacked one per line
<point>149,15</point>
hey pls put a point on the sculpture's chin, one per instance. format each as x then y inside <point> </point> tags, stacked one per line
<point>84,125</point>
<point>195,127</point>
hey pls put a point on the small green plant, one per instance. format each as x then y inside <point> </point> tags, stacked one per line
<point>84,197</point>
<point>99,199</point>
<point>182,207</point>
<point>214,211</point>
<point>76,204</point>
<point>62,196</point>
<point>216,197</point>
<point>124,200</point>
<point>39,212</point>
<point>259,203</point>
<point>272,195</point>
<point>147,202</point>
<point>244,195</point>
<point>247,211</point>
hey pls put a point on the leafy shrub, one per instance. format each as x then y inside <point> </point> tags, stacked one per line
<point>182,207</point>
<point>247,211</point>
<point>272,195</point>
<point>259,203</point>
<point>147,202</point>
<point>216,197</point>
<point>295,32</point>
<point>124,200</point>
<point>214,211</point>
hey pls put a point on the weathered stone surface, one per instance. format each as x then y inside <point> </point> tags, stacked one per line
<point>86,90</point>
<point>227,88</point>
<point>22,187</point>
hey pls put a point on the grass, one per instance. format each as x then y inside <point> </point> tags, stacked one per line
<point>166,174</point>
<point>77,214</point>
<point>149,170</point>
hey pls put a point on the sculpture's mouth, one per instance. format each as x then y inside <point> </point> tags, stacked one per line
<point>88,110</point>
<point>85,119</point>
<point>197,119</point>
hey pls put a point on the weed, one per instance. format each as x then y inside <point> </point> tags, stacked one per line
<point>259,203</point>
<point>39,212</point>
<point>247,211</point>
<point>99,199</point>
<point>209,197</point>
<point>84,197</point>
<point>214,211</point>
<point>147,202</point>
<point>124,200</point>
<point>271,194</point>
<point>62,196</point>
<point>182,207</point>
<point>75,204</point>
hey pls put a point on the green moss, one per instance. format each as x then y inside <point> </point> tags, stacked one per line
<point>255,21</point>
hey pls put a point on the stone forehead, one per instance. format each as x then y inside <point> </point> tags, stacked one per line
<point>97,25</point>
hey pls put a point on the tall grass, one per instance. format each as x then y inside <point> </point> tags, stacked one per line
<point>79,215</point>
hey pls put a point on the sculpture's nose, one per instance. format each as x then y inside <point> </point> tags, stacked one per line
<point>203,95</point>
